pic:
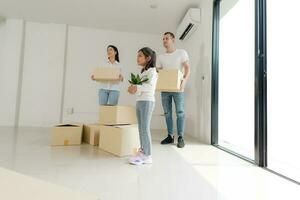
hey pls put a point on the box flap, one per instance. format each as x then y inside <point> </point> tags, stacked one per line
<point>68,125</point>
<point>125,125</point>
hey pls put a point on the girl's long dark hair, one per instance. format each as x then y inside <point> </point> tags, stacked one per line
<point>116,50</point>
<point>148,52</point>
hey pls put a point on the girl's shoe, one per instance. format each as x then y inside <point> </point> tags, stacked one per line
<point>140,159</point>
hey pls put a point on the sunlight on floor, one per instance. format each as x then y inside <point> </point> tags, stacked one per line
<point>235,178</point>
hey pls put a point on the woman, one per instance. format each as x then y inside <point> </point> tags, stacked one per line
<point>109,92</point>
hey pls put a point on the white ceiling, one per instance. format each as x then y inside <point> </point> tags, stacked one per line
<point>123,15</point>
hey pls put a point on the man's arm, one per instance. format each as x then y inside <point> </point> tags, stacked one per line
<point>186,75</point>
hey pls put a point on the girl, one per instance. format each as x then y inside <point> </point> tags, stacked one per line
<point>109,92</point>
<point>146,58</point>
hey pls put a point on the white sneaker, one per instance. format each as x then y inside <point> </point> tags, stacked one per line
<point>140,159</point>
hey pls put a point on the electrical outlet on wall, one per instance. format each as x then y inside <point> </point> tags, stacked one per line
<point>70,111</point>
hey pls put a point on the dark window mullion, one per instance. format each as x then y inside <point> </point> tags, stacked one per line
<point>215,73</point>
<point>260,84</point>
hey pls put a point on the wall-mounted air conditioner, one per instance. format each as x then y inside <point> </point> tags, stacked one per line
<point>189,24</point>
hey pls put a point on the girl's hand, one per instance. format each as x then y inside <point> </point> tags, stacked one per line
<point>132,89</point>
<point>92,77</point>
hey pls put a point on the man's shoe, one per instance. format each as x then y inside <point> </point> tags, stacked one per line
<point>180,143</point>
<point>168,140</point>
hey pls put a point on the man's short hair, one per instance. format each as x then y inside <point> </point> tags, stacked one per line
<point>170,33</point>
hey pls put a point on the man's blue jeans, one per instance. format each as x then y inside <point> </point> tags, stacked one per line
<point>178,98</point>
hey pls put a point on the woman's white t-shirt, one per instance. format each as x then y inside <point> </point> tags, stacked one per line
<point>109,85</point>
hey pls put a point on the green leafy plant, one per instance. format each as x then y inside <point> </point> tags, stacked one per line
<point>137,80</point>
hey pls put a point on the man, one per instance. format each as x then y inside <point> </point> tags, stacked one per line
<point>174,59</point>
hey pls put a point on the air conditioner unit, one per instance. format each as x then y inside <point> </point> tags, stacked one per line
<point>189,24</point>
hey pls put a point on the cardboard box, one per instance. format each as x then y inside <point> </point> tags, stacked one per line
<point>119,140</point>
<point>67,134</point>
<point>106,74</point>
<point>91,134</point>
<point>117,115</point>
<point>169,80</point>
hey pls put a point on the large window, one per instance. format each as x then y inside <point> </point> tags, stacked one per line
<point>236,76</point>
<point>255,82</point>
<point>284,87</point>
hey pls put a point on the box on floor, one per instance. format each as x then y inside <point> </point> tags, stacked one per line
<point>119,140</point>
<point>91,134</point>
<point>67,134</point>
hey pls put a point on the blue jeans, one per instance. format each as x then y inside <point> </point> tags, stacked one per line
<point>178,97</point>
<point>144,111</point>
<point>108,97</point>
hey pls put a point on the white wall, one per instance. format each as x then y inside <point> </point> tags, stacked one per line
<point>87,50</point>
<point>206,62</point>
<point>42,74</point>
<point>12,32</point>
<point>198,91</point>
<point>41,69</point>
<point>2,40</point>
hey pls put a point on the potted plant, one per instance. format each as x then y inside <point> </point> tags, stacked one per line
<point>137,80</point>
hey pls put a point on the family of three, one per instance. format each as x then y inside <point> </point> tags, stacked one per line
<point>145,94</point>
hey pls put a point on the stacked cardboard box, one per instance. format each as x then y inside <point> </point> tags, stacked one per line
<point>117,115</point>
<point>118,130</point>
<point>120,140</point>
<point>169,80</point>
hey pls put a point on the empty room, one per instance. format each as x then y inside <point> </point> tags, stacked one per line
<point>149,100</point>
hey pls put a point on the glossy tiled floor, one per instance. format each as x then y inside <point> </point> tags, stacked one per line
<point>195,172</point>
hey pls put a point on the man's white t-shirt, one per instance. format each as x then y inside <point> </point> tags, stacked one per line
<point>173,60</point>
<point>107,85</point>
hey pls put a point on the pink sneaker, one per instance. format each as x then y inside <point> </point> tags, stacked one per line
<point>140,159</point>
